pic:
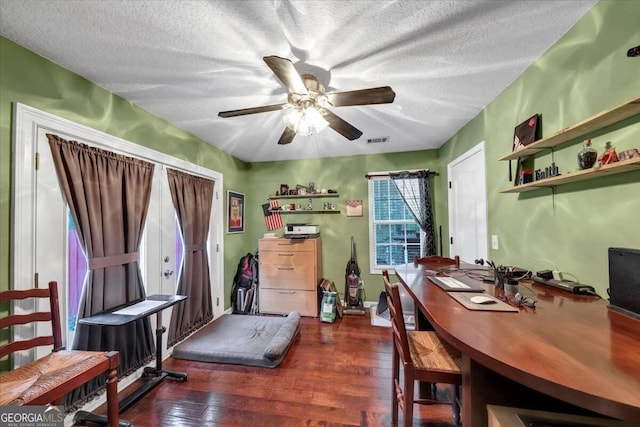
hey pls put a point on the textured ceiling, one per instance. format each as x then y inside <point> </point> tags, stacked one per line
<point>185,61</point>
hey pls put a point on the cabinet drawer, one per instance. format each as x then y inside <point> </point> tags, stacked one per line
<point>280,301</point>
<point>287,245</point>
<point>285,277</point>
<point>287,258</point>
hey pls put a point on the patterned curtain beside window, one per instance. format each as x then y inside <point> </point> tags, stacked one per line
<point>192,197</point>
<point>108,197</point>
<point>414,189</point>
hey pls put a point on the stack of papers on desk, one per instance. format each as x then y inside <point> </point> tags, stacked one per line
<point>450,284</point>
<point>139,308</point>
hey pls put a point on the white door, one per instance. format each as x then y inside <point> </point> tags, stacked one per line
<point>43,245</point>
<point>163,246</point>
<point>50,229</point>
<point>468,205</point>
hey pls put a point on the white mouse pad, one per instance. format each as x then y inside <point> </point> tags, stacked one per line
<point>464,298</point>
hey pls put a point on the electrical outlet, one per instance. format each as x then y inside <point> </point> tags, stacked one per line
<point>494,242</point>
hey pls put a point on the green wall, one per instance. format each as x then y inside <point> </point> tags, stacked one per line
<point>585,72</point>
<point>347,176</point>
<point>32,80</point>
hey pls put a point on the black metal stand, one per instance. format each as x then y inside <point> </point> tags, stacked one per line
<point>155,374</point>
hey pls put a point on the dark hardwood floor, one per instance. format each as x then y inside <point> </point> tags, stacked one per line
<point>334,375</point>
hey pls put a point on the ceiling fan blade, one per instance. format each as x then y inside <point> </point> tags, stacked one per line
<point>245,111</point>
<point>285,71</point>
<point>378,95</point>
<point>341,126</point>
<point>287,136</point>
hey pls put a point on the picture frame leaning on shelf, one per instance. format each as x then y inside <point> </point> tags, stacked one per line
<point>524,134</point>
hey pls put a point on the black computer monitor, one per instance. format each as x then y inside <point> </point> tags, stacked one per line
<point>624,280</point>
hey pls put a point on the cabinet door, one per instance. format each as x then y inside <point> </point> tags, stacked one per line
<point>287,277</point>
<point>280,301</point>
<point>287,258</point>
<point>287,245</point>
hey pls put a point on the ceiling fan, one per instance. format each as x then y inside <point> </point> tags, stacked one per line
<point>308,103</point>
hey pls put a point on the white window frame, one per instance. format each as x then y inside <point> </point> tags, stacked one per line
<point>374,268</point>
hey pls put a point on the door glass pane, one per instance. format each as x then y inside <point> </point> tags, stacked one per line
<point>77,270</point>
<point>179,253</point>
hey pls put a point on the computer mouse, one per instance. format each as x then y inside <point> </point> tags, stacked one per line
<point>479,299</point>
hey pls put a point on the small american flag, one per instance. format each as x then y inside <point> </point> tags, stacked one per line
<point>273,219</point>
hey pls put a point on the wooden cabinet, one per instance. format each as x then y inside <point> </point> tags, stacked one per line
<point>601,120</point>
<point>290,270</point>
<point>503,416</point>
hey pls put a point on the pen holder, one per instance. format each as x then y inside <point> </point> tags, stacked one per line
<point>510,287</point>
<point>499,278</point>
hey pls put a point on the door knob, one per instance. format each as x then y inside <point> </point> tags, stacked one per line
<point>168,273</point>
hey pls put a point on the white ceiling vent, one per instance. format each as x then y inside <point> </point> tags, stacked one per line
<point>377,140</point>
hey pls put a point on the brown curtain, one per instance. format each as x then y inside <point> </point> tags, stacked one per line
<point>108,196</point>
<point>192,197</point>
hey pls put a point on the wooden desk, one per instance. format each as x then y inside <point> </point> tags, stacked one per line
<point>571,349</point>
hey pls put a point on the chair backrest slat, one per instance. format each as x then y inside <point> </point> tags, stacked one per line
<point>25,293</point>
<point>435,260</point>
<point>397,319</point>
<point>23,319</point>
<point>50,293</point>
<point>27,344</point>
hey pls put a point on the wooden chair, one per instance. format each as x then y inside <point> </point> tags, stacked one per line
<point>424,357</point>
<point>437,261</point>
<point>48,379</point>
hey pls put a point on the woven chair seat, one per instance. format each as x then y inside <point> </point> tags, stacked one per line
<point>428,352</point>
<point>423,357</point>
<point>21,386</point>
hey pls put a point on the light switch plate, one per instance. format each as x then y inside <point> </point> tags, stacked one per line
<point>494,242</point>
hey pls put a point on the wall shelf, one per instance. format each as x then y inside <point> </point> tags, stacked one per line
<point>582,175</point>
<point>593,123</point>
<point>306,196</point>
<point>303,211</point>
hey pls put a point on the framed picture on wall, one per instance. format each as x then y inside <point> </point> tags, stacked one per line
<point>235,212</point>
<point>524,134</point>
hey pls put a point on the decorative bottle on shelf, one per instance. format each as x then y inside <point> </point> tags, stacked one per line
<point>587,156</point>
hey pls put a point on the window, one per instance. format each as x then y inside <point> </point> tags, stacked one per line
<point>394,236</point>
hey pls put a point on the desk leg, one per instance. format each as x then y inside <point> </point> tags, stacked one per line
<point>157,374</point>
<point>83,416</point>
<point>158,371</point>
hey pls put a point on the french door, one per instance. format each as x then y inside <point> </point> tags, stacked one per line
<point>45,243</point>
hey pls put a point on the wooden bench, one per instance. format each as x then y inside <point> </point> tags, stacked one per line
<point>46,380</point>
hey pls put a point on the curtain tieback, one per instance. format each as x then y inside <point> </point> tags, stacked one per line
<point>112,260</point>
<point>195,248</point>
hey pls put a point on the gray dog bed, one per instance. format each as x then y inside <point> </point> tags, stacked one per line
<point>242,340</point>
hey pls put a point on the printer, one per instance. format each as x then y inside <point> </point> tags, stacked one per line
<point>301,231</point>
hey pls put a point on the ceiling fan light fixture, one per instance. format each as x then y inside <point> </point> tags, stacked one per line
<point>305,121</point>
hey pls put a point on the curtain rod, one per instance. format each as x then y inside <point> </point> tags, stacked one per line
<point>411,172</point>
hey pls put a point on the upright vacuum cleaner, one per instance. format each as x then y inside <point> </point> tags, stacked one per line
<point>353,285</point>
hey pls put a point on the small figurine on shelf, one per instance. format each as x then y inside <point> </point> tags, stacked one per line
<point>587,156</point>
<point>608,157</point>
<point>310,205</point>
<point>629,154</point>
